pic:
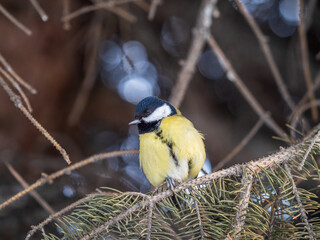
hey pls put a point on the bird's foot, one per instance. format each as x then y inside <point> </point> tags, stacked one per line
<point>171,183</point>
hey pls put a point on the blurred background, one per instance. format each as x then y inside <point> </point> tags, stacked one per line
<point>91,71</point>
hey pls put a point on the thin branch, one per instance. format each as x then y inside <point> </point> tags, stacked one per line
<point>34,194</point>
<point>50,178</point>
<point>305,97</point>
<point>39,10</point>
<point>267,52</point>
<point>65,12</point>
<point>200,32</point>
<point>153,9</point>
<point>143,5</point>
<point>16,76</point>
<point>244,200</point>
<point>110,6</point>
<point>91,73</point>
<point>308,151</point>
<point>17,102</point>
<point>233,77</point>
<point>57,215</point>
<point>199,219</point>
<point>305,60</point>
<point>241,145</point>
<point>299,111</point>
<point>302,210</point>
<point>17,87</point>
<point>15,21</point>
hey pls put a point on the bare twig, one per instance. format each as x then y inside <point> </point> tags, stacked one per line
<point>91,73</point>
<point>244,200</point>
<point>15,21</point>
<point>40,10</point>
<point>298,112</point>
<point>233,76</point>
<point>143,5</point>
<point>199,219</point>
<point>50,178</point>
<point>110,6</point>
<point>305,97</point>
<point>305,60</point>
<point>153,9</point>
<point>17,87</point>
<point>16,76</point>
<point>267,52</point>
<point>308,151</point>
<point>241,145</point>
<point>33,193</point>
<point>65,12</point>
<point>200,32</point>
<point>17,102</point>
<point>302,210</point>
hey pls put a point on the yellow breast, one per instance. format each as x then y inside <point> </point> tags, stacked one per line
<point>175,150</point>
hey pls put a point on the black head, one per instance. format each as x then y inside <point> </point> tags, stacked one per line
<point>149,113</point>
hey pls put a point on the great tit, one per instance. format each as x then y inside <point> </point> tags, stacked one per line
<point>171,149</point>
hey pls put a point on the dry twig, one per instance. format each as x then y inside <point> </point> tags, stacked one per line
<point>200,32</point>
<point>241,145</point>
<point>305,60</point>
<point>65,12</point>
<point>15,21</point>
<point>233,77</point>
<point>39,10</point>
<point>268,54</point>
<point>91,73</point>
<point>153,9</point>
<point>33,193</point>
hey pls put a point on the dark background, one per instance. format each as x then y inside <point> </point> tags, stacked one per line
<point>55,61</point>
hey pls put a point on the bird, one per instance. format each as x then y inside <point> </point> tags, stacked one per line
<point>171,148</point>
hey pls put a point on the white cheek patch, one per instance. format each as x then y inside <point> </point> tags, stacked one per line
<point>158,114</point>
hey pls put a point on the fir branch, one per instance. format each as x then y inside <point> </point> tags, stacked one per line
<point>199,219</point>
<point>149,220</point>
<point>244,199</point>
<point>302,210</point>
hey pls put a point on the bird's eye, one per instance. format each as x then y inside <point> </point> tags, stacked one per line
<point>148,112</point>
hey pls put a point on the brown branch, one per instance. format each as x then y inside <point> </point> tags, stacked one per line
<point>267,52</point>
<point>17,102</point>
<point>143,5</point>
<point>39,10</point>
<point>50,178</point>
<point>244,200</point>
<point>65,12</point>
<point>16,76</point>
<point>305,97</point>
<point>305,60</point>
<point>308,151</point>
<point>149,221</point>
<point>299,111</point>
<point>15,21</point>
<point>17,87</point>
<point>34,194</point>
<point>302,210</point>
<point>153,9</point>
<point>233,77</point>
<point>200,32</point>
<point>91,73</point>
<point>241,145</point>
<point>110,6</point>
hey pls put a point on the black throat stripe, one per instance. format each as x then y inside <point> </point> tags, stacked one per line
<point>169,145</point>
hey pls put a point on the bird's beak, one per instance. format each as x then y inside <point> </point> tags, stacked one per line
<point>136,121</point>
